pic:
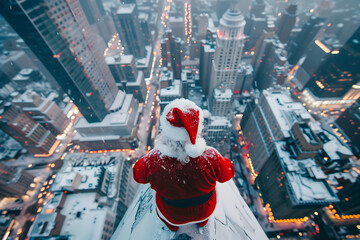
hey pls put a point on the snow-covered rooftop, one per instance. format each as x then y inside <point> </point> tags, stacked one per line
<point>84,218</point>
<point>139,80</point>
<point>285,110</point>
<point>174,90</point>
<point>219,121</point>
<point>218,94</point>
<point>118,118</point>
<point>306,180</point>
<point>334,148</point>
<point>118,102</point>
<point>126,8</point>
<point>71,214</point>
<point>349,176</point>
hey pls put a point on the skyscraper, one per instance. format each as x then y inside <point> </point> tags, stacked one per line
<point>308,32</point>
<point>286,23</point>
<point>229,45</point>
<point>349,123</point>
<point>336,75</point>
<point>60,36</point>
<point>207,51</point>
<point>124,70</point>
<point>272,66</point>
<point>255,24</point>
<point>171,53</point>
<point>128,26</point>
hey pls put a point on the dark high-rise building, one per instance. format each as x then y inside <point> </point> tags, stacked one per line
<point>308,32</point>
<point>244,79</point>
<point>145,27</point>
<point>124,70</point>
<point>30,134</point>
<point>129,29</point>
<point>350,198</point>
<point>349,122</point>
<point>286,23</point>
<point>207,51</point>
<point>257,8</point>
<point>58,33</point>
<point>255,24</point>
<point>315,54</point>
<point>14,181</point>
<point>171,53</point>
<point>272,66</point>
<point>336,75</point>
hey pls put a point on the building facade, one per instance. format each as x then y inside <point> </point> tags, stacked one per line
<point>58,33</point>
<point>227,57</point>
<point>29,133</point>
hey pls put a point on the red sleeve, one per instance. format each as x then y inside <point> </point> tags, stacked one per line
<point>226,169</point>
<point>140,171</point>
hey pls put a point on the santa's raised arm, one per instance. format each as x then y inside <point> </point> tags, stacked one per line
<point>182,169</point>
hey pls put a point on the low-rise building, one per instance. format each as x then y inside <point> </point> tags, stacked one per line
<point>14,181</point>
<point>116,131</point>
<point>42,110</point>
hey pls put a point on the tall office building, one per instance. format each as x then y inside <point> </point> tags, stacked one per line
<point>337,74</point>
<point>207,51</point>
<point>350,198</point>
<point>286,23</point>
<point>308,32</point>
<point>244,81</point>
<point>171,53</point>
<point>58,33</point>
<point>228,52</point>
<point>124,70</point>
<point>268,121</point>
<point>19,125</point>
<point>349,123</point>
<point>128,26</point>
<point>272,67</point>
<point>262,44</point>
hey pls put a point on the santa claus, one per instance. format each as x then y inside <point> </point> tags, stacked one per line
<point>182,169</point>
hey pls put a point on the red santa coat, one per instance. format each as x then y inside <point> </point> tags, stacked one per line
<point>173,180</point>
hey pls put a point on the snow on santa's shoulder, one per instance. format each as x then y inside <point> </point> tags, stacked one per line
<point>232,219</point>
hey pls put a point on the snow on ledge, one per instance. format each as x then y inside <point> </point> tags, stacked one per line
<point>232,219</point>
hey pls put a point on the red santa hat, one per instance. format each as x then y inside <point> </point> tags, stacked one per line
<point>182,121</point>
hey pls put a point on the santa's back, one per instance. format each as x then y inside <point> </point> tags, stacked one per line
<point>175,180</point>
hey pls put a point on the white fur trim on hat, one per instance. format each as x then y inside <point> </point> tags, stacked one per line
<point>176,133</point>
<point>174,141</point>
